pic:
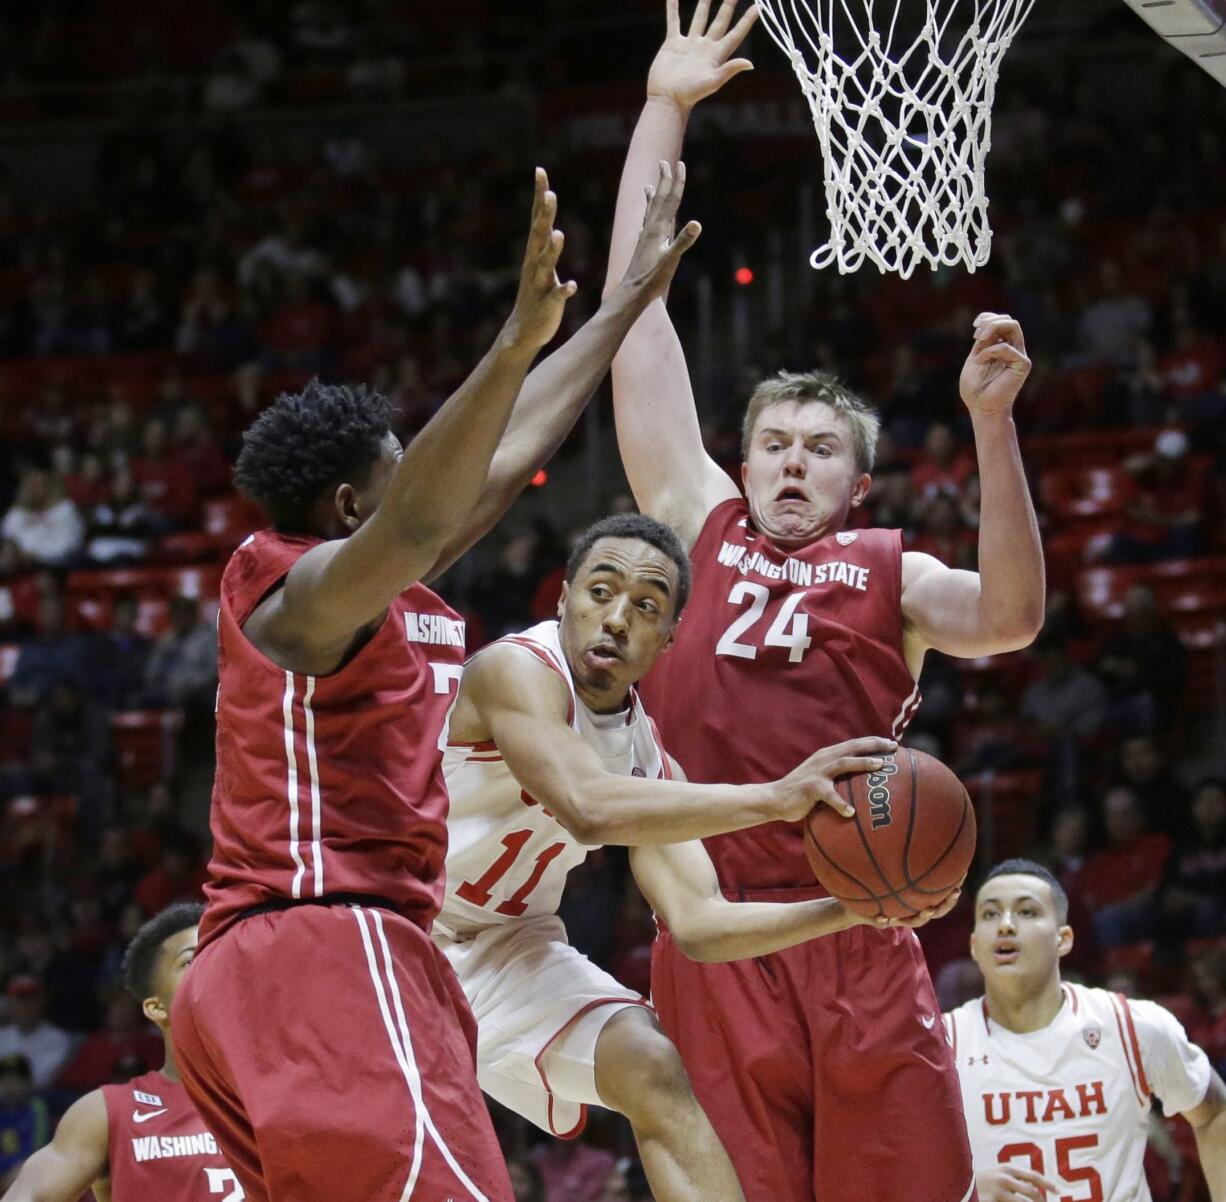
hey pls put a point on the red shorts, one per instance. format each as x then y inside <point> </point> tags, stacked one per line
<point>824,1068</point>
<point>331,1053</point>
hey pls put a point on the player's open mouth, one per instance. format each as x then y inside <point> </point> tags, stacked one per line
<point>603,655</point>
<point>1005,952</point>
<point>791,494</point>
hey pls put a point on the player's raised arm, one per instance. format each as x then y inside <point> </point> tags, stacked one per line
<point>1000,607</point>
<point>75,1158</point>
<point>672,476</point>
<point>510,697</point>
<point>558,389</point>
<point>342,585</point>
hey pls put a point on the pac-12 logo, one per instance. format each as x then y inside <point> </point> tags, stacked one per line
<point>879,793</point>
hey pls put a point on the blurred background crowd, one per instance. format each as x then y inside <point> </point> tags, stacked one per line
<point>193,221</point>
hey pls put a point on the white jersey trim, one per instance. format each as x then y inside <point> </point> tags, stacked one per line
<point>291,784</point>
<point>317,856</point>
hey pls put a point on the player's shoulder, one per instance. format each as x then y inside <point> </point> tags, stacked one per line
<point>530,660</point>
<point>965,1022</point>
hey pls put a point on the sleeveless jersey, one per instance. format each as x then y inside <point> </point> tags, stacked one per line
<point>778,654</point>
<point>1070,1101</point>
<point>509,856</point>
<point>329,784</point>
<point>157,1146</point>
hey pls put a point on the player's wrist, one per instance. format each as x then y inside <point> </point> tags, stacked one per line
<point>668,104</point>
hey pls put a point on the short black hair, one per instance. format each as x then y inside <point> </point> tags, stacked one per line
<point>304,442</point>
<point>648,530</point>
<point>140,960</point>
<point>1021,867</point>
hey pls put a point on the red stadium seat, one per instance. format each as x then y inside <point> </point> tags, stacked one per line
<point>1089,448</point>
<point>146,746</point>
<point>33,821</point>
<point>1082,492</point>
<point>91,595</point>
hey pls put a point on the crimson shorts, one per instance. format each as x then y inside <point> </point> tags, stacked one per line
<point>332,1054</point>
<point>823,1068</point>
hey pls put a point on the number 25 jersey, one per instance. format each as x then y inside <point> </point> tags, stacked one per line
<point>1070,1101</point>
<point>778,654</point>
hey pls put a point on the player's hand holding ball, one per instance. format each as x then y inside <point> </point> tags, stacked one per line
<point>541,297</point>
<point>812,783</point>
<point>906,852</point>
<point>1012,1183</point>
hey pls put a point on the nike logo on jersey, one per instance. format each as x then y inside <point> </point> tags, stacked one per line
<point>433,628</point>
<point>143,1116</point>
<point>929,1020</point>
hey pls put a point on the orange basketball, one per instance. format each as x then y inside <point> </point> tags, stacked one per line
<point>910,843</point>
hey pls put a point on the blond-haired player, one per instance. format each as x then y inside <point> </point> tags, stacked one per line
<point>1058,1079</point>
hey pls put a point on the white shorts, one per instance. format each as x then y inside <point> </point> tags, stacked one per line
<point>540,1007</point>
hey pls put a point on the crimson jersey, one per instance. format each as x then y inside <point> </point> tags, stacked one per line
<point>157,1146</point>
<point>780,653</point>
<point>329,784</point>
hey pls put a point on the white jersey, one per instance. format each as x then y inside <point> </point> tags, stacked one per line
<point>1071,1101</point>
<point>508,856</point>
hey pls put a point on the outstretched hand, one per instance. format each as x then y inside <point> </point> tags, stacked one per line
<point>659,250</point>
<point>690,66</point>
<point>996,368</point>
<point>541,297</point>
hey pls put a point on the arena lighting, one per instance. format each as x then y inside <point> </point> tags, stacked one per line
<point>540,478</point>
<point>743,276</point>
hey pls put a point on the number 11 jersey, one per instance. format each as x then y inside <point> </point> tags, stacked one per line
<point>778,654</point>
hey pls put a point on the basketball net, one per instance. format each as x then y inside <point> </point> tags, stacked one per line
<point>904,122</point>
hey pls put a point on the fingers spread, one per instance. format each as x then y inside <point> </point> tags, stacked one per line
<point>698,25</point>
<point>733,39</point>
<point>672,15</point>
<point>723,18</point>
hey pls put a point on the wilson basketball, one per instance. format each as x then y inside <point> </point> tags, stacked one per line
<point>909,844</point>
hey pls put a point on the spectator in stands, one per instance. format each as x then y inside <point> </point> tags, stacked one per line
<point>182,670</point>
<point>996,738</point>
<point>121,527</point>
<point>43,527</point>
<point>55,655</point>
<point>1065,705</point>
<point>25,1122</point>
<point>527,1184</point>
<point>178,876</point>
<point>1207,1024</point>
<point>1143,664</point>
<point>70,744</point>
<point>126,1032</point>
<point>1144,769</point>
<point>116,657</point>
<point>574,1170</point>
<point>1120,880</point>
<point>945,468</point>
<point>143,323</point>
<point>1193,897</point>
<point>169,491</point>
<point>1111,325</point>
<point>90,321</point>
<point>86,483</point>
<point>943,534</point>
<point>1167,505</point>
<point>197,454</point>
<point>29,1034</point>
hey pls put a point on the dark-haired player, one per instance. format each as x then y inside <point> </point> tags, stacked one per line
<point>1058,1079</point>
<point>548,754</point>
<point>142,1141</point>
<point>822,1068</point>
<point>320,1032</point>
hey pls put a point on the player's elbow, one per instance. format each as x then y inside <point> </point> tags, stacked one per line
<point>582,821</point>
<point>697,940</point>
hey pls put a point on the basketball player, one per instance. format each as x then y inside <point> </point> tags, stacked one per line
<point>142,1141</point>
<point>1058,1079</point>
<point>549,753</point>
<point>800,634</point>
<point>320,1032</point>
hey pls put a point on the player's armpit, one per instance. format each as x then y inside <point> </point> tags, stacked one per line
<point>943,609</point>
<point>74,1159</point>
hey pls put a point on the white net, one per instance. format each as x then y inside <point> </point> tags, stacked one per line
<point>901,93</point>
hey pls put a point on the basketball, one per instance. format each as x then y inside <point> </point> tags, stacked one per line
<point>909,844</point>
